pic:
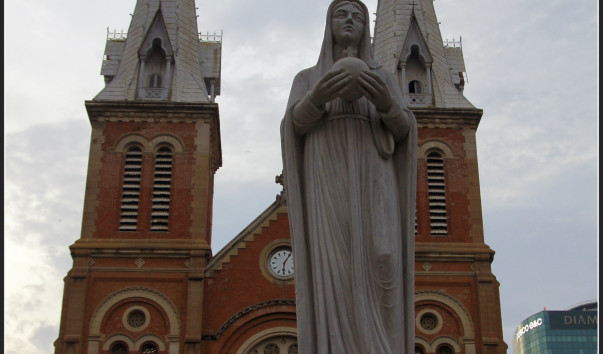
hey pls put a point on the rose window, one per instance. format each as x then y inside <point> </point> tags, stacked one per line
<point>429,321</point>
<point>136,319</point>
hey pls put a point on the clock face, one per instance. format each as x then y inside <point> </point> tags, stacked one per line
<point>280,262</point>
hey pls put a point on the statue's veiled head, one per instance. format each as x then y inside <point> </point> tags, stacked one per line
<point>346,26</point>
<point>347,23</point>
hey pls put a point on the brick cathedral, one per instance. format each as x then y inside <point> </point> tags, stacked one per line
<point>144,277</point>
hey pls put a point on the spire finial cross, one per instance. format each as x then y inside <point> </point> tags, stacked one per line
<point>413,6</point>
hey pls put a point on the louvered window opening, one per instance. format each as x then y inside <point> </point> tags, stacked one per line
<point>437,194</point>
<point>131,190</point>
<point>161,190</point>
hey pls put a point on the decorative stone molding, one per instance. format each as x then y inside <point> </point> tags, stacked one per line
<point>452,303</point>
<point>264,335</point>
<point>433,144</point>
<point>131,139</point>
<point>133,345</point>
<point>166,140</point>
<point>94,336</point>
<point>446,340</point>
<point>419,319</point>
<point>118,338</point>
<point>161,112</point>
<point>147,145</point>
<point>245,311</point>
<point>427,266</point>
<point>149,338</point>
<point>139,262</point>
<point>455,118</point>
<point>126,318</point>
<point>461,311</point>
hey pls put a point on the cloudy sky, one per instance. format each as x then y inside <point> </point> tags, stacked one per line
<point>532,67</point>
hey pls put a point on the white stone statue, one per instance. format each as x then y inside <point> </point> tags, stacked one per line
<point>349,154</point>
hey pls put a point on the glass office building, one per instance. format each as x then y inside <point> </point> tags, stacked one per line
<point>573,331</point>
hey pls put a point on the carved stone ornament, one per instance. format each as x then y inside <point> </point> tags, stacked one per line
<point>139,262</point>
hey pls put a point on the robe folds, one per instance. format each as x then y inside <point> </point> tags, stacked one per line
<point>350,182</point>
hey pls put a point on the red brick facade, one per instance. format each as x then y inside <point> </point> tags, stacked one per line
<point>165,288</point>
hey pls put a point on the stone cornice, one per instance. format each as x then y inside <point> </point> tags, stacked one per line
<point>151,112</point>
<point>160,112</point>
<point>448,117</point>
<point>460,251</point>
<point>129,245</point>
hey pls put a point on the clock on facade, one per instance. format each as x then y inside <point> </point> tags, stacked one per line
<point>280,262</point>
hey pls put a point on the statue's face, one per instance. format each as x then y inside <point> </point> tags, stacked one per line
<point>347,24</point>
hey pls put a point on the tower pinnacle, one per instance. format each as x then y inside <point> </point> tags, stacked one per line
<point>162,57</point>
<point>408,43</point>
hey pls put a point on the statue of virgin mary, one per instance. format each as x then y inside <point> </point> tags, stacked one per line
<point>350,181</point>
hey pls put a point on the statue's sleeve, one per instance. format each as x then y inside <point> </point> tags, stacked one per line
<point>304,113</point>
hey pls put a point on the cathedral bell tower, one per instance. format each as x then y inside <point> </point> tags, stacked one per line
<point>457,303</point>
<point>137,278</point>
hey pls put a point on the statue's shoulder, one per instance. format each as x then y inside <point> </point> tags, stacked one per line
<point>304,75</point>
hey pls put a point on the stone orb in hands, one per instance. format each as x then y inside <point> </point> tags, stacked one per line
<point>354,66</point>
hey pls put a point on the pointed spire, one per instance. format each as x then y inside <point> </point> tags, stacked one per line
<point>398,21</point>
<point>160,59</point>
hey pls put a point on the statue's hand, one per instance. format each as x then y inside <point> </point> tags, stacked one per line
<point>375,90</point>
<point>330,86</point>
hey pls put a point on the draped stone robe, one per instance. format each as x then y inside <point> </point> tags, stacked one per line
<point>350,180</point>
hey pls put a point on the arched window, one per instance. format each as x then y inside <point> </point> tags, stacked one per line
<point>131,190</point>
<point>437,194</point>
<point>161,190</point>
<point>148,348</point>
<point>415,87</point>
<point>419,350</point>
<point>119,348</point>
<point>444,349</point>
<point>275,345</point>
<point>155,81</point>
